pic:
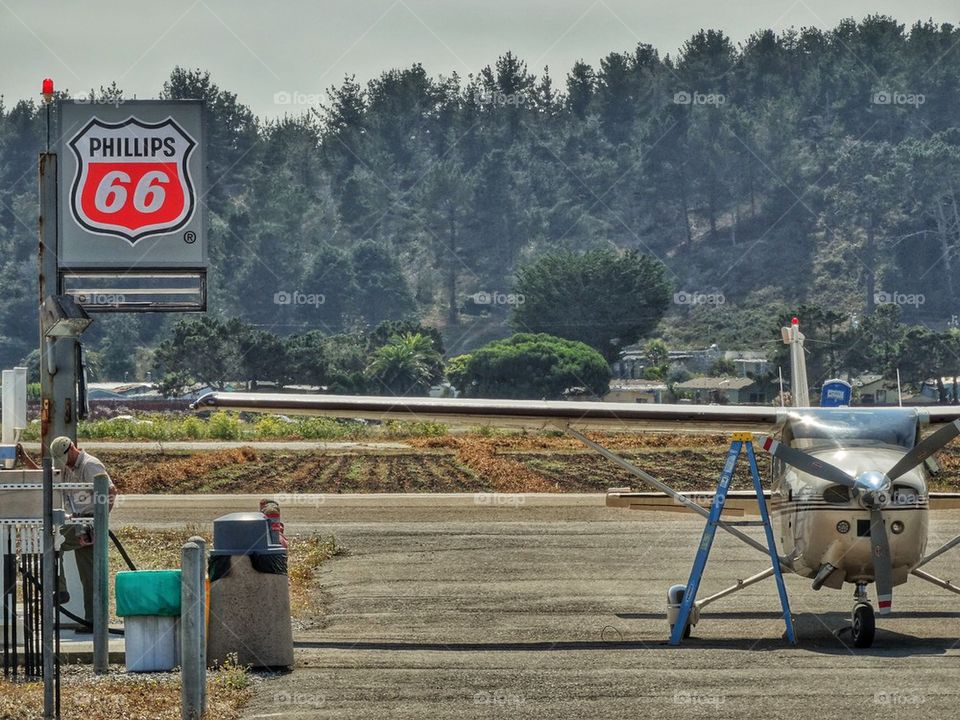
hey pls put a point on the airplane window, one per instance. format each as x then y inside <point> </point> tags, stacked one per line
<point>884,427</point>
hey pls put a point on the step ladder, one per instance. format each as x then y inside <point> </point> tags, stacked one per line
<point>741,443</point>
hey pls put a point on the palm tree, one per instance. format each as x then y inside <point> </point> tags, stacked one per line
<point>407,364</point>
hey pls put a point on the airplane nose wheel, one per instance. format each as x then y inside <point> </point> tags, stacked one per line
<point>863,625</point>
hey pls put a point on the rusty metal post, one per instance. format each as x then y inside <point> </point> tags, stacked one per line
<point>58,371</point>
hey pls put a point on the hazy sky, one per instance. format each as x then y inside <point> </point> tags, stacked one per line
<point>299,48</point>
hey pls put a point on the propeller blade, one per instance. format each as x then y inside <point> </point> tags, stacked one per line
<point>924,449</point>
<point>807,463</point>
<point>882,565</point>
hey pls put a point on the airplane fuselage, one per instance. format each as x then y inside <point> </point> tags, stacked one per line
<point>823,523</point>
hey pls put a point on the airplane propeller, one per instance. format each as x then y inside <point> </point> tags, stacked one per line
<point>805,462</point>
<point>872,489</point>
<point>882,564</point>
<point>924,449</point>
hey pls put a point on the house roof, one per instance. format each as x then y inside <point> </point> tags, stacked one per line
<point>637,385</point>
<point>865,379</point>
<point>715,383</point>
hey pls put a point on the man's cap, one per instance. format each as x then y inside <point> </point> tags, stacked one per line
<point>58,450</point>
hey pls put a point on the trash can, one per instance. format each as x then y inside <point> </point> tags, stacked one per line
<point>149,603</point>
<point>249,594</point>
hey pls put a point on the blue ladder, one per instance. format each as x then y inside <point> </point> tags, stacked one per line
<point>740,443</point>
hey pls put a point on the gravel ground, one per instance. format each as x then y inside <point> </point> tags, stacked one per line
<point>462,608</point>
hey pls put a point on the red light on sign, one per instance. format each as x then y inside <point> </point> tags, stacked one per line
<point>47,90</point>
<point>795,321</point>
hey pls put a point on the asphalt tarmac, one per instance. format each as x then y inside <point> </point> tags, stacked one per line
<point>495,606</point>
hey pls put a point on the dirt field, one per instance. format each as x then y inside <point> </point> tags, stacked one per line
<point>515,463</point>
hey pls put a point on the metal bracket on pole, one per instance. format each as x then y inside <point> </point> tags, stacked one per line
<point>740,442</point>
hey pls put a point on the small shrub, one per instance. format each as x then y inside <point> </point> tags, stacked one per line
<point>419,428</point>
<point>231,674</point>
<point>223,426</point>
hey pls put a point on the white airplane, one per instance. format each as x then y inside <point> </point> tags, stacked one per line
<point>849,485</point>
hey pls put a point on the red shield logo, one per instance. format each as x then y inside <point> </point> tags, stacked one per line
<point>132,178</point>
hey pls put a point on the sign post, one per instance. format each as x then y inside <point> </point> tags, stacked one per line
<point>122,229</point>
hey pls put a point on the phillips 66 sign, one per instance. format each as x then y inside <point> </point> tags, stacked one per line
<point>131,186</point>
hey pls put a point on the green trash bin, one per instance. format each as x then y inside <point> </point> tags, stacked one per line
<point>149,603</point>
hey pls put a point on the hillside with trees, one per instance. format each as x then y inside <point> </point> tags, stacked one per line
<point>811,166</point>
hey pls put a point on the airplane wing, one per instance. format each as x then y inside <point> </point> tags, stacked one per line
<point>944,500</point>
<point>738,503</point>
<point>940,413</point>
<point>531,414</point>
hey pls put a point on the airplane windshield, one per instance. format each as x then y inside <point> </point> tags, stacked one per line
<point>883,427</point>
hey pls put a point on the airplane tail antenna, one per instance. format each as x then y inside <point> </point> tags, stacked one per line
<point>799,390</point>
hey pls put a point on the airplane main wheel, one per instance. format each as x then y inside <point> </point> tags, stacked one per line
<point>864,626</point>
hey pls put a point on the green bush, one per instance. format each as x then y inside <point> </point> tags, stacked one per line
<point>230,426</point>
<point>271,427</point>
<point>419,428</point>
<point>192,428</point>
<point>223,426</point>
<point>324,428</point>
<point>534,366</point>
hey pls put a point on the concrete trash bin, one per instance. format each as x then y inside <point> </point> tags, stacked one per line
<point>249,594</point>
<point>149,603</point>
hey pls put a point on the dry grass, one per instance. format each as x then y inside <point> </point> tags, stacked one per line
<point>159,474</point>
<point>554,463</point>
<point>501,474</point>
<point>149,696</point>
<point>310,553</point>
<point>472,462</point>
<point>525,442</point>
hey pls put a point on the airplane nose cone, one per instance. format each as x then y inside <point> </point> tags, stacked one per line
<point>873,489</point>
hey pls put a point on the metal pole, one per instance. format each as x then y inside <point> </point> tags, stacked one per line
<point>101,574</point>
<point>49,588</point>
<point>741,584</point>
<point>192,664</point>
<point>58,371</point>
<point>940,551</point>
<point>202,544</point>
